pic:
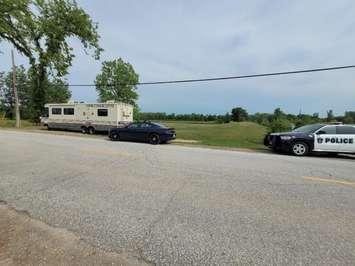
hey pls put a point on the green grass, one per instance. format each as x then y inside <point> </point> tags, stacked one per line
<point>7,123</point>
<point>233,135</point>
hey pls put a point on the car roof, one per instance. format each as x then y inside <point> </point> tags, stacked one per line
<point>141,122</point>
<point>339,125</point>
<point>315,124</point>
<point>331,124</point>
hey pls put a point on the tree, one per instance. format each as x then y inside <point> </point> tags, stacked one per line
<point>278,113</point>
<point>3,107</point>
<point>280,125</point>
<point>349,117</point>
<point>315,115</point>
<point>40,30</point>
<point>330,116</point>
<point>136,113</point>
<point>117,82</point>
<point>55,90</point>
<point>227,118</point>
<point>7,98</point>
<point>14,16</point>
<point>239,114</point>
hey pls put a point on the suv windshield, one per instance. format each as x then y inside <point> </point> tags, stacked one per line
<point>308,128</point>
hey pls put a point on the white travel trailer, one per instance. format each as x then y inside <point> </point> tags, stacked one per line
<point>87,117</point>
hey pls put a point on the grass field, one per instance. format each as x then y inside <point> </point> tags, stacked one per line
<point>11,123</point>
<point>233,135</point>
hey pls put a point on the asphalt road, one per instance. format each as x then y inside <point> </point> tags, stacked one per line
<point>178,205</point>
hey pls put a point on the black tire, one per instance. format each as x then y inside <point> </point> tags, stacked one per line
<point>114,136</point>
<point>299,148</point>
<point>84,130</point>
<point>154,139</point>
<point>91,130</point>
<point>275,149</point>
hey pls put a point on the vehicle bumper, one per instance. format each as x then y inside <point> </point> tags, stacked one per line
<point>167,137</point>
<point>277,144</point>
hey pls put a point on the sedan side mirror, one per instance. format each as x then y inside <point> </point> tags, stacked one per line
<point>320,132</point>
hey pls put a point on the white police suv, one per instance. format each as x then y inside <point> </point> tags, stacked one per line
<point>335,138</point>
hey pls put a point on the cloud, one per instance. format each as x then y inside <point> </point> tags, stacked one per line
<point>194,39</point>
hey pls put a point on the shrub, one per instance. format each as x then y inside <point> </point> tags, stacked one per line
<point>280,125</point>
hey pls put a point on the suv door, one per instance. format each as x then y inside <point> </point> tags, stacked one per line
<point>326,139</point>
<point>346,137</point>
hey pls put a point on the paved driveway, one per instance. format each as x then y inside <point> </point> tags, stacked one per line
<point>177,205</point>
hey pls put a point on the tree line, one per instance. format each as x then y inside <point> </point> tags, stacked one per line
<point>276,121</point>
<point>161,116</point>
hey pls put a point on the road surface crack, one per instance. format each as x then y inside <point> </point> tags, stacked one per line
<point>161,215</point>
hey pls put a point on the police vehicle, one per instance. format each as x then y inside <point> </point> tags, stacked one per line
<point>334,138</point>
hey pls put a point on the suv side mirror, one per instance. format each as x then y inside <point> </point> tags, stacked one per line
<point>320,132</point>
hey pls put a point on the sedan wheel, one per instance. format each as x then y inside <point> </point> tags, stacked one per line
<point>115,136</point>
<point>300,149</point>
<point>154,139</point>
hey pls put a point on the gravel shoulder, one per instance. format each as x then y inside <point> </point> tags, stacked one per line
<point>26,241</point>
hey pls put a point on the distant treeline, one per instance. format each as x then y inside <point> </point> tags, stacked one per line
<point>276,121</point>
<point>185,117</point>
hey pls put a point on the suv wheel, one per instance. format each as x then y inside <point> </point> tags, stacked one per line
<point>299,148</point>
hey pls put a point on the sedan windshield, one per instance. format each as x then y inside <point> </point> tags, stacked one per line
<point>159,125</point>
<point>308,128</point>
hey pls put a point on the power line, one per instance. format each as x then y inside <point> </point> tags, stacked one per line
<point>226,78</point>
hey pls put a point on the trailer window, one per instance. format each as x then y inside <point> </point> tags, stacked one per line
<point>68,111</point>
<point>56,111</point>
<point>102,112</point>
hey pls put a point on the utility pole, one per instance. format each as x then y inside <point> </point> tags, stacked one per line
<point>17,105</point>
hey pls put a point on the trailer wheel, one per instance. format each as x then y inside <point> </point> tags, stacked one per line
<point>84,130</point>
<point>91,130</point>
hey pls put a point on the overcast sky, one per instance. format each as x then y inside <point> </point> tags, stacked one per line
<point>195,39</point>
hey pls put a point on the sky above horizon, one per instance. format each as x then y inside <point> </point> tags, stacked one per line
<point>166,40</point>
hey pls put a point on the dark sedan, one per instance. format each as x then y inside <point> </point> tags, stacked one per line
<point>146,131</point>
